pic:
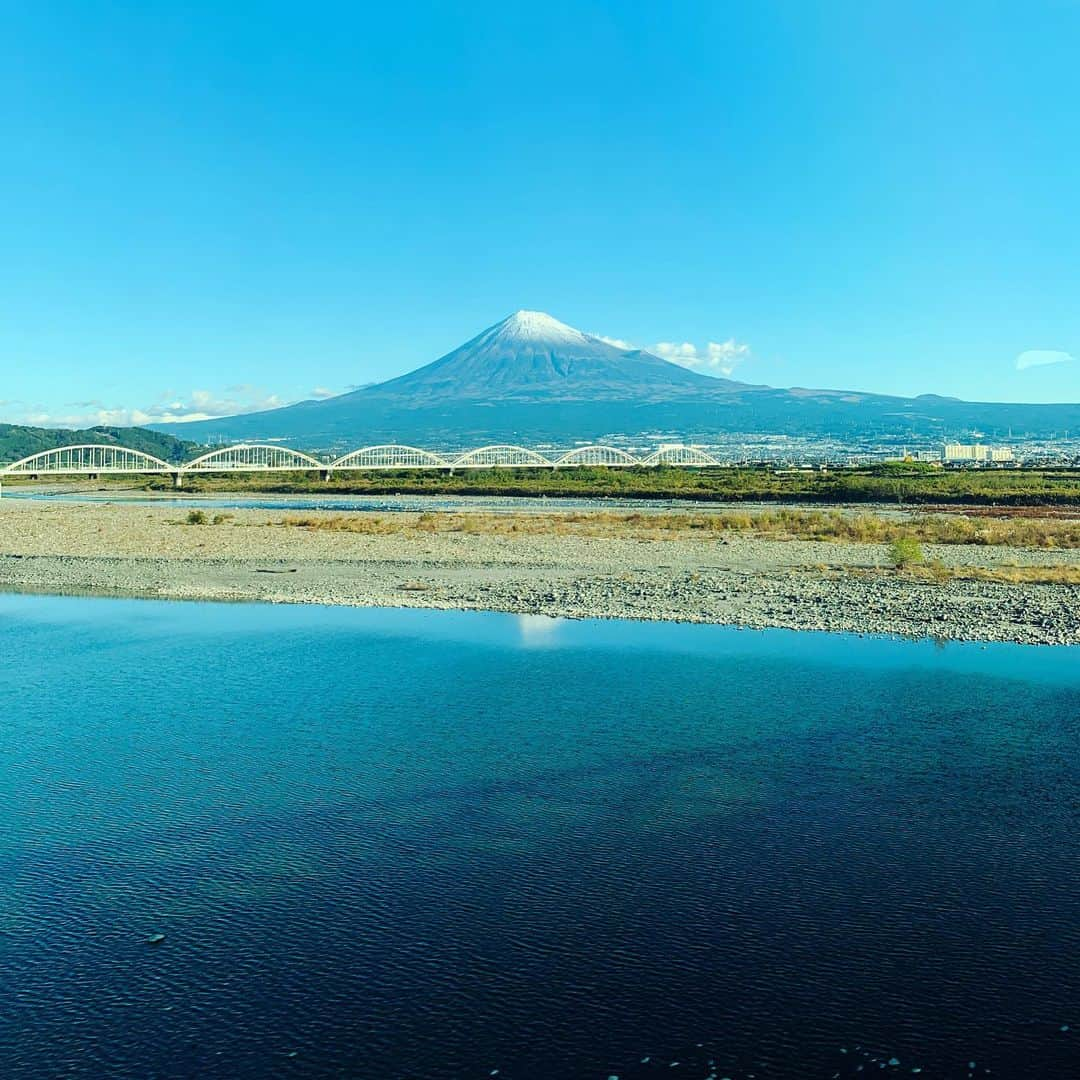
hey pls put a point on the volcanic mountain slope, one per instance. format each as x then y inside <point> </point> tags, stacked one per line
<point>531,378</point>
<point>530,356</point>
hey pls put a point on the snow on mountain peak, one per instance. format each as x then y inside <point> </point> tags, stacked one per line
<point>531,356</point>
<point>539,326</point>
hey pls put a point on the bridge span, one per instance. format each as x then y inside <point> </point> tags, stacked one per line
<point>96,459</point>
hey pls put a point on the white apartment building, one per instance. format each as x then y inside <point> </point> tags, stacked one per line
<point>963,453</point>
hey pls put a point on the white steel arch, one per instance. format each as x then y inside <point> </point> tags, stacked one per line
<point>390,456</point>
<point>502,455</point>
<point>680,455</point>
<point>252,457</point>
<point>597,455</point>
<point>87,458</point>
<point>93,458</point>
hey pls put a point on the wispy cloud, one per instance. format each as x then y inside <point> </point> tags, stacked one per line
<point>1041,358</point>
<point>714,358</point>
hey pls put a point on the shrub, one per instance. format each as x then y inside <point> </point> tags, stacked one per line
<point>196,517</point>
<point>906,551</point>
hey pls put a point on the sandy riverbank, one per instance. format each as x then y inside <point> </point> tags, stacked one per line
<point>147,550</point>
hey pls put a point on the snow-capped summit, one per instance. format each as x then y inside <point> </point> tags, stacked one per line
<point>538,326</point>
<point>531,356</point>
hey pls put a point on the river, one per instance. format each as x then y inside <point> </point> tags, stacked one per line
<point>414,844</point>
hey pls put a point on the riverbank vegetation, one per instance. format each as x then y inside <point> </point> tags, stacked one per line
<point>897,483</point>
<point>1005,575</point>
<point>936,572</point>
<point>780,524</point>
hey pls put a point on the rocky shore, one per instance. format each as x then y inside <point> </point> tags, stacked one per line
<point>141,550</point>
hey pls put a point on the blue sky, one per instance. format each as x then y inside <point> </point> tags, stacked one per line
<point>207,207</point>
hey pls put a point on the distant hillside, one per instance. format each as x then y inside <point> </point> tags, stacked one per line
<point>17,441</point>
<point>531,378</point>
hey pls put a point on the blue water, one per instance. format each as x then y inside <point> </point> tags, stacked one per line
<point>380,503</point>
<point>418,844</point>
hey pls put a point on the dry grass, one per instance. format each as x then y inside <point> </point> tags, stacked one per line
<point>1006,575</point>
<point>828,525</point>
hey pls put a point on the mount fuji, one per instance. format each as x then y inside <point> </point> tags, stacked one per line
<point>530,356</point>
<point>531,378</point>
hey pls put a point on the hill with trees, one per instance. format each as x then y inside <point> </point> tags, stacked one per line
<point>18,441</point>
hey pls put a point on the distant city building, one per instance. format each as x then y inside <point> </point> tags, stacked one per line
<point>976,453</point>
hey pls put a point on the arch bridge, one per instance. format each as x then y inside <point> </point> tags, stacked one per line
<point>87,459</point>
<point>94,459</point>
<point>253,457</point>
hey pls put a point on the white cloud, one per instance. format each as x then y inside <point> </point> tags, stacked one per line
<point>717,357</point>
<point>321,393</point>
<point>714,358</point>
<point>680,354</point>
<point>168,408</point>
<point>617,342</point>
<point>1041,358</point>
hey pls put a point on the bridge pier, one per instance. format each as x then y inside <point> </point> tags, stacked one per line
<point>178,479</point>
<point>326,474</point>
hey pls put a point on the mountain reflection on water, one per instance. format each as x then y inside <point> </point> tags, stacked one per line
<point>428,844</point>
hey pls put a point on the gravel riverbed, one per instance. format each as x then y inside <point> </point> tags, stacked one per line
<point>141,550</point>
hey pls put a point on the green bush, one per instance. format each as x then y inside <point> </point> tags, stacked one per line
<point>906,551</point>
<point>197,517</point>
